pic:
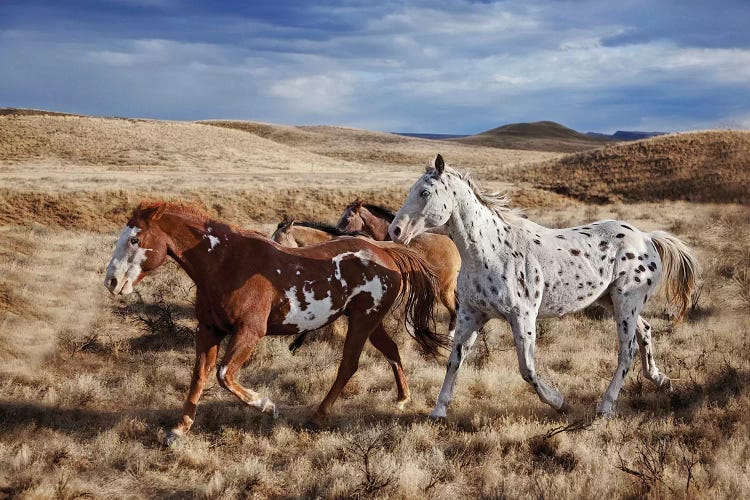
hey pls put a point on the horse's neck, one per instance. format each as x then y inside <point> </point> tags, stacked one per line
<point>478,231</point>
<point>376,226</point>
<point>186,241</point>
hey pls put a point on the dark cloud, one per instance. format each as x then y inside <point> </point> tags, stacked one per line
<point>455,66</point>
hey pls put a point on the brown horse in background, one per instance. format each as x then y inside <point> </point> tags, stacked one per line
<point>437,249</point>
<point>248,286</point>
<point>296,234</point>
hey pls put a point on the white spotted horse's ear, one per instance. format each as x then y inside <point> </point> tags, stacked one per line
<point>439,164</point>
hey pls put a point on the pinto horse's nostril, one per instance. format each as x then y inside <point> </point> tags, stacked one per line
<point>113,283</point>
<point>397,231</point>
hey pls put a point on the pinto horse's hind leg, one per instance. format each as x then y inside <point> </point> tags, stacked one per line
<point>524,336</point>
<point>239,350</point>
<point>206,349</point>
<point>361,326</point>
<point>650,369</point>
<point>385,344</point>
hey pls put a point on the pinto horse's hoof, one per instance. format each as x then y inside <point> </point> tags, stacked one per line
<point>312,425</point>
<point>172,439</point>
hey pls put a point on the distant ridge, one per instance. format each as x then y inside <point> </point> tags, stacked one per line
<point>430,136</point>
<point>625,135</point>
<point>536,136</point>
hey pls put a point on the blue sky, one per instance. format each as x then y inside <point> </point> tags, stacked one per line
<point>453,66</point>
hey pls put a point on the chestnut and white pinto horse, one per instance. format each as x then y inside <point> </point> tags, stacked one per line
<point>520,270</point>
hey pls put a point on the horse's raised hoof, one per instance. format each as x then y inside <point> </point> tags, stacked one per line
<point>269,408</point>
<point>172,439</point>
<point>293,347</point>
<point>564,408</point>
<point>667,386</point>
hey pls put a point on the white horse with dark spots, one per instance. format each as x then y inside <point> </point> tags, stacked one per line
<point>516,269</point>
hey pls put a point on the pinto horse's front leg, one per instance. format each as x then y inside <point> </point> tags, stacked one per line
<point>240,348</point>
<point>469,324</point>
<point>206,349</point>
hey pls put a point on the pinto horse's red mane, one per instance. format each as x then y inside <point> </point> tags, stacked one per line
<point>193,209</point>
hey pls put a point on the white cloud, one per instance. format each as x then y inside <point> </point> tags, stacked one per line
<point>317,94</point>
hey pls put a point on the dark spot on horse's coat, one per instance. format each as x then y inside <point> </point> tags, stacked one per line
<point>528,333</point>
<point>637,279</point>
<point>619,235</point>
<point>648,281</point>
<point>587,255</point>
<point>536,294</point>
<point>586,234</point>
<point>589,283</point>
<point>601,271</point>
<point>560,236</point>
<point>652,266</point>
<point>640,258</point>
<point>507,243</point>
<point>604,256</point>
<point>641,268</point>
<point>537,242</point>
<point>611,260</point>
<point>630,255</point>
<point>504,277</point>
<point>625,324</point>
<point>493,290</point>
<point>581,297</point>
<point>519,294</point>
<point>603,245</point>
<point>575,251</point>
<point>577,276</point>
<point>580,285</point>
<point>560,272</point>
<point>627,227</point>
<point>486,266</point>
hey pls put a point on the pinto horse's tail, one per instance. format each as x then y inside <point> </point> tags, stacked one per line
<point>680,269</point>
<point>419,287</point>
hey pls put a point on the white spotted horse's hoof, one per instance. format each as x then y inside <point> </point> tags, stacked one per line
<point>666,385</point>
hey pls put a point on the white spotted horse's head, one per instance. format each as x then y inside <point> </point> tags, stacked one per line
<point>141,248</point>
<point>428,206</point>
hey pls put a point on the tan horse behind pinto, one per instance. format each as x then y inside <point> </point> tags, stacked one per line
<point>437,249</point>
<point>248,286</point>
<point>296,234</point>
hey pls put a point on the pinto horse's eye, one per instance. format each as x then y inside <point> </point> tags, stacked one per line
<point>134,240</point>
<point>425,193</point>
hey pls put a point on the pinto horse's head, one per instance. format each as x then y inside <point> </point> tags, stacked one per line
<point>140,249</point>
<point>351,221</point>
<point>429,205</point>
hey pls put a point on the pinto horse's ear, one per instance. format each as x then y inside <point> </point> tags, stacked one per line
<point>439,164</point>
<point>159,211</point>
<point>357,204</point>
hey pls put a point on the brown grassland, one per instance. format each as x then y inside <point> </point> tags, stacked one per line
<point>89,382</point>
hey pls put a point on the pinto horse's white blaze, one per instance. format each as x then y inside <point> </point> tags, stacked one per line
<point>124,268</point>
<point>520,270</point>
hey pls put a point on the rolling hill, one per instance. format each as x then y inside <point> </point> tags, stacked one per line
<point>710,166</point>
<point>536,136</point>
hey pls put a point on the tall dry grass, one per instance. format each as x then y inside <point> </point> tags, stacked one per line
<point>84,407</point>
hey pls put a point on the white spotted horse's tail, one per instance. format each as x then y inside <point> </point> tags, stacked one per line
<point>680,269</point>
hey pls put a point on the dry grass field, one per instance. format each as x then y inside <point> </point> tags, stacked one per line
<point>90,383</point>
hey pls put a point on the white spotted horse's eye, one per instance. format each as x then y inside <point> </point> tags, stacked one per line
<point>425,193</point>
<point>134,240</point>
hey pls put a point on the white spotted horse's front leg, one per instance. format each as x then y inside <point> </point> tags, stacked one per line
<point>468,325</point>
<point>524,336</point>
